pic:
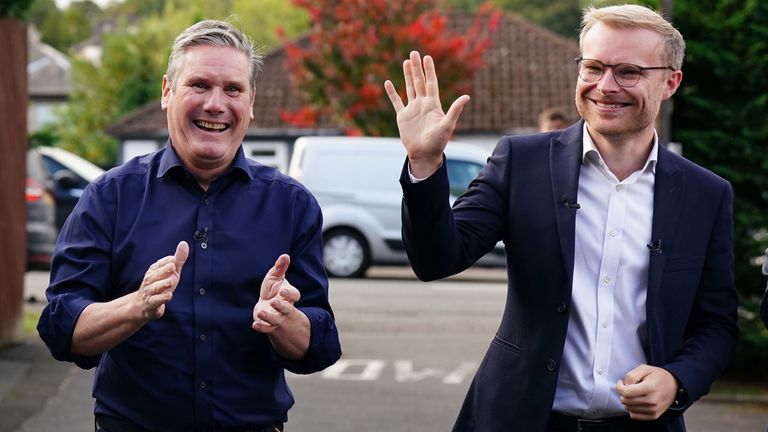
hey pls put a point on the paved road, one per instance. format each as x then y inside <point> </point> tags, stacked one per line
<point>410,349</point>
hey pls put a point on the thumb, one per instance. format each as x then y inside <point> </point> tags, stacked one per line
<point>181,255</point>
<point>637,374</point>
<point>280,267</point>
<point>452,116</point>
<point>274,277</point>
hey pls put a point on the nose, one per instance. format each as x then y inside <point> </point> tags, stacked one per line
<point>214,102</point>
<point>607,83</point>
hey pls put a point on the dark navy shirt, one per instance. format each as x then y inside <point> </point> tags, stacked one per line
<point>201,366</point>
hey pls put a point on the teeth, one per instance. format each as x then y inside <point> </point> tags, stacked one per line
<point>209,125</point>
<point>605,105</point>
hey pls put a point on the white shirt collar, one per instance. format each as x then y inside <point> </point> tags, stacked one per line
<point>589,147</point>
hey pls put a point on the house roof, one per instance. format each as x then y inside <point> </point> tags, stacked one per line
<point>526,69</point>
<point>48,70</point>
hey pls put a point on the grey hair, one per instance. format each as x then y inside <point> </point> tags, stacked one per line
<point>213,33</point>
<point>634,16</point>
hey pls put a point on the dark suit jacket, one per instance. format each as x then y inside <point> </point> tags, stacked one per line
<point>518,197</point>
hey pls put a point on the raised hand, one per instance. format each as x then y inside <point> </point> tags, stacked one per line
<point>159,282</point>
<point>424,128</point>
<point>276,298</point>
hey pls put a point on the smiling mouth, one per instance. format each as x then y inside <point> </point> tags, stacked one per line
<point>211,126</point>
<point>605,105</point>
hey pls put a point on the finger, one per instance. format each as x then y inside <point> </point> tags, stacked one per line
<point>262,326</point>
<point>452,117</point>
<point>631,390</point>
<point>282,306</point>
<point>408,75</point>
<point>159,263</point>
<point>418,74</point>
<point>394,97</point>
<point>637,374</point>
<point>159,273</point>
<point>290,293</point>
<point>432,88</point>
<point>181,255</point>
<point>155,301</point>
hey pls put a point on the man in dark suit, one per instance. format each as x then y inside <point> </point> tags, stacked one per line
<point>621,307</point>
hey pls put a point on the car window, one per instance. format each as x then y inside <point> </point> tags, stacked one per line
<point>53,166</point>
<point>460,174</point>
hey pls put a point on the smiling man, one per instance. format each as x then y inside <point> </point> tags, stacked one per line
<point>193,277</point>
<point>621,305</point>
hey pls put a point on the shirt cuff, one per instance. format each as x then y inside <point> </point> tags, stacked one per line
<point>414,179</point>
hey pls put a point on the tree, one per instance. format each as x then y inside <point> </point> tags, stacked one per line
<point>354,46</point>
<point>131,68</point>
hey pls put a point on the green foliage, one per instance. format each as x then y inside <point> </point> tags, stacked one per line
<point>47,136</point>
<point>721,110</point>
<point>752,348</point>
<point>354,46</point>
<point>15,8</point>
<point>63,28</point>
<point>134,57</point>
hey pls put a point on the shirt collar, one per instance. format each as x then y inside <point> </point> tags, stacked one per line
<point>589,150</point>
<point>170,160</point>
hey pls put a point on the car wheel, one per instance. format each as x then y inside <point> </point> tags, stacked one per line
<point>345,253</point>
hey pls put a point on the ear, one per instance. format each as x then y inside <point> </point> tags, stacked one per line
<point>672,83</point>
<point>166,93</point>
<point>253,99</point>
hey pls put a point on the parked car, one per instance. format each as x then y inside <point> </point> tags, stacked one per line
<point>68,174</point>
<point>355,181</point>
<point>55,180</point>
<point>41,215</point>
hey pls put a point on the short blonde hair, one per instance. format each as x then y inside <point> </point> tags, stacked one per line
<point>634,16</point>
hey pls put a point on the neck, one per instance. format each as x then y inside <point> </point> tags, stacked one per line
<point>624,154</point>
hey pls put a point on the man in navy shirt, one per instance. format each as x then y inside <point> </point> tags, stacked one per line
<point>193,277</point>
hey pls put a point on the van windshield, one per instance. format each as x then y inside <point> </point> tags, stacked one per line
<point>460,174</point>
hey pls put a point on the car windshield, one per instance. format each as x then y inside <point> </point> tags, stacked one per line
<point>460,174</point>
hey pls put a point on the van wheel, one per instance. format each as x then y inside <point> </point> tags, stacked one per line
<point>345,253</point>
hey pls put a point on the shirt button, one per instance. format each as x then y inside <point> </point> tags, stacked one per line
<point>619,188</point>
<point>604,324</point>
<point>614,233</point>
<point>201,291</point>
<point>551,365</point>
<point>562,307</point>
<point>205,202</point>
<point>202,337</point>
<point>204,245</point>
<point>203,384</point>
<point>607,278</point>
<point>600,371</point>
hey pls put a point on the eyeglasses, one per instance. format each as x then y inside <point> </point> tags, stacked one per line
<point>625,74</point>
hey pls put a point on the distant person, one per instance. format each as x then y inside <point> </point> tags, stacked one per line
<point>552,119</point>
<point>193,277</point>
<point>621,305</point>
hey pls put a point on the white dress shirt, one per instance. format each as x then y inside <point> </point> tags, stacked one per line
<point>607,323</point>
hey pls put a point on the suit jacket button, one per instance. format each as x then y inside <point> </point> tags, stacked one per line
<point>551,365</point>
<point>562,307</point>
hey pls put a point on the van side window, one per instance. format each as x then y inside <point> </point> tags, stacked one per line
<point>460,174</point>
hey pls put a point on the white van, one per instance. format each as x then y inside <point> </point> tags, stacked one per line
<point>355,180</point>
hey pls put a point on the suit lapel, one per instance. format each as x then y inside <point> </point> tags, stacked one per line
<point>565,157</point>
<point>668,192</point>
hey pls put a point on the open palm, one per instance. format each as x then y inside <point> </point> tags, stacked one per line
<point>424,128</point>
